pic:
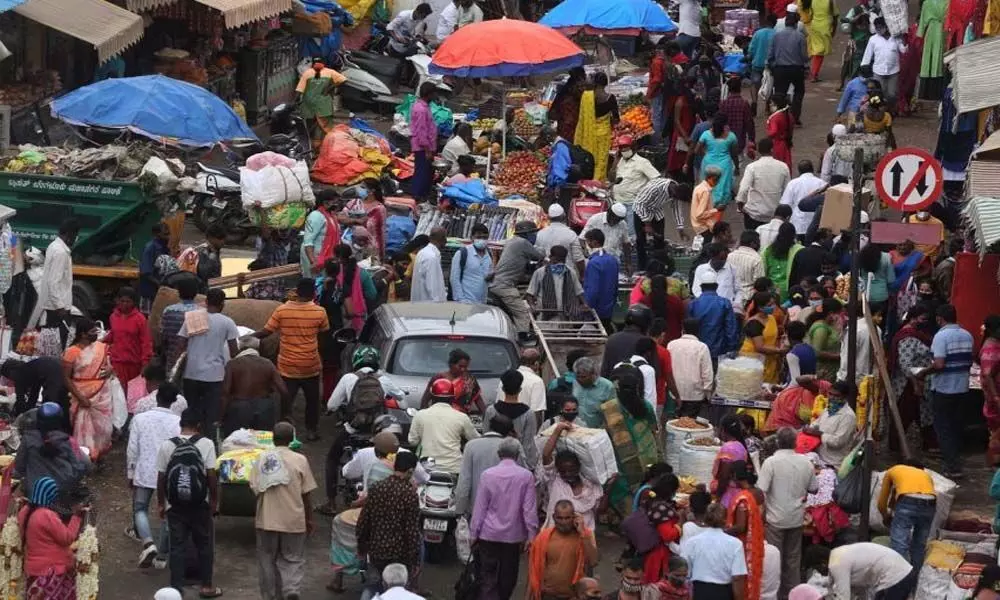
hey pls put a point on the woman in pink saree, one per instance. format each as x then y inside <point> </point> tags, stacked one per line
<point>369,210</point>
<point>724,486</point>
<point>87,371</point>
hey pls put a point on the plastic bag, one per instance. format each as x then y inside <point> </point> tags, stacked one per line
<point>766,85</point>
<point>536,113</point>
<point>847,494</point>
<point>271,186</point>
<point>463,545</point>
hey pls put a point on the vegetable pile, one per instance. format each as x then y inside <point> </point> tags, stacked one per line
<point>484,124</point>
<point>640,118</point>
<point>521,171</point>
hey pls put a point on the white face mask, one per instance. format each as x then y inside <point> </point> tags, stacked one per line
<point>923,215</point>
<point>627,154</point>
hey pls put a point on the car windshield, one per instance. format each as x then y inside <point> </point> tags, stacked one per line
<point>429,356</point>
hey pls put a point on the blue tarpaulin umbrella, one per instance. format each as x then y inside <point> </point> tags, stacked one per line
<point>155,106</point>
<point>617,17</point>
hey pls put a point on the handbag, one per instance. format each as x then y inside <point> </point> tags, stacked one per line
<point>766,86</point>
<point>467,586</point>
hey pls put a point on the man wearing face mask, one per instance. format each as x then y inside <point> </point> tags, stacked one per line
<point>558,233</point>
<point>631,587</point>
<point>470,269</point>
<point>517,253</point>
<point>555,288</point>
<point>631,173</point>
<point>588,588</point>
<point>717,265</point>
<point>617,239</point>
<point>835,427</point>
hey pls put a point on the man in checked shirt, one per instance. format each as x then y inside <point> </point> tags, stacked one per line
<point>649,214</point>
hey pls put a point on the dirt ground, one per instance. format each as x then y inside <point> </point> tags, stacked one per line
<point>235,564</point>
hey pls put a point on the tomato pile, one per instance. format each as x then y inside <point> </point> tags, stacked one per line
<point>521,171</point>
<point>640,118</point>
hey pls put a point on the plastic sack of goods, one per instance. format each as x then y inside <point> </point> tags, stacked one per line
<point>593,446</point>
<point>697,457</point>
<point>680,430</point>
<point>275,182</point>
<point>739,378</point>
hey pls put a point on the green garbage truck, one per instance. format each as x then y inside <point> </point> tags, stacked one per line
<point>115,217</point>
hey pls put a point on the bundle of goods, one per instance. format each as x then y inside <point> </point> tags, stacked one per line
<point>11,558</point>
<point>110,162</point>
<point>697,456</point>
<point>459,223</point>
<point>443,117</point>
<point>87,570</point>
<point>235,466</point>
<point>521,171</point>
<point>349,155</point>
<point>935,579</point>
<point>311,24</point>
<point>465,194</point>
<point>741,21</point>
<point>640,119</point>
<point>739,378</point>
<point>680,430</point>
<point>873,144</point>
<point>593,446</point>
<point>19,95</point>
<point>270,180</point>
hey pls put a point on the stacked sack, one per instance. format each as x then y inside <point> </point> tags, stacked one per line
<point>276,190</point>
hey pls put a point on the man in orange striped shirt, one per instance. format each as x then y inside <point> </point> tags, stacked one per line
<point>299,323</point>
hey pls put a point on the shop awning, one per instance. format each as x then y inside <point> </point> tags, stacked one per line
<point>240,12</point>
<point>109,28</point>
<point>138,6</point>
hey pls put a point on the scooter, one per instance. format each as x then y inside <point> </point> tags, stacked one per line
<point>591,199</point>
<point>361,89</point>
<point>439,514</point>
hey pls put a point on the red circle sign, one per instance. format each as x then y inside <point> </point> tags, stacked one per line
<point>909,179</point>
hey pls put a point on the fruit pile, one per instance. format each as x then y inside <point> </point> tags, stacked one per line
<point>523,126</point>
<point>484,124</point>
<point>521,171</point>
<point>640,118</point>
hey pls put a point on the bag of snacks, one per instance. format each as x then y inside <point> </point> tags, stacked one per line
<point>739,378</point>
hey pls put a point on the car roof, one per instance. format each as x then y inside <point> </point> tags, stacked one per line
<point>416,318</point>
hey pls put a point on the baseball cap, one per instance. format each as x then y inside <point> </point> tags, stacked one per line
<point>556,211</point>
<point>619,209</point>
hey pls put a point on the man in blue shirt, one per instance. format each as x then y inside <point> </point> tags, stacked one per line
<point>600,280</point>
<point>952,348</point>
<point>149,280</point>
<point>719,329</point>
<point>559,164</point>
<point>854,92</point>
<point>757,52</point>
<point>470,267</point>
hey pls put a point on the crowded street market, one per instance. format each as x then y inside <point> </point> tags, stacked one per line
<point>634,300</point>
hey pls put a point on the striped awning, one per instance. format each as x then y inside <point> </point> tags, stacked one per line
<point>109,28</point>
<point>236,13</point>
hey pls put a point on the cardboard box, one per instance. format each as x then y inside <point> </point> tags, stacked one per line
<point>837,205</point>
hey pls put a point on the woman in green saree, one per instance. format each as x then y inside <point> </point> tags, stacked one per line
<point>631,424</point>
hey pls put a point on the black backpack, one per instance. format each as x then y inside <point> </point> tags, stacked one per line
<point>584,161</point>
<point>187,477</point>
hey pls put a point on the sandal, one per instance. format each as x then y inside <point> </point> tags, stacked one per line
<point>216,592</point>
<point>326,509</point>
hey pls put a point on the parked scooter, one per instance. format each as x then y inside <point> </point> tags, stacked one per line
<point>439,513</point>
<point>592,198</point>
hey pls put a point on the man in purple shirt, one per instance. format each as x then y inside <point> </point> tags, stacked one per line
<point>423,140</point>
<point>503,520</point>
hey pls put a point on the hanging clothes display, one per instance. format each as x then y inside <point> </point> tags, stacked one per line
<point>956,138</point>
<point>931,29</point>
<point>959,15</point>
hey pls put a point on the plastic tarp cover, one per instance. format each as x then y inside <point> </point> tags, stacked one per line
<point>464,194</point>
<point>349,155</point>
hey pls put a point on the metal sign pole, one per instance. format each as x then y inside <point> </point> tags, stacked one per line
<point>853,304</point>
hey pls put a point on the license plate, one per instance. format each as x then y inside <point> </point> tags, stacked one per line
<point>435,525</point>
<point>219,204</point>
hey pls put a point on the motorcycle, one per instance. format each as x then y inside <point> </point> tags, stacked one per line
<point>592,198</point>
<point>439,513</point>
<point>351,489</point>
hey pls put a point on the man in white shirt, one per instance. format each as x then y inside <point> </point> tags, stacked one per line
<point>406,28</point>
<point>770,580</point>
<point>692,369</point>
<point>428,278</point>
<point>632,172</point>
<point>456,15</point>
<point>689,26</point>
<point>761,187</point>
<point>718,265</point>
<point>800,188</point>
<point>617,238</point>
<point>395,578</point>
<point>786,478</point>
<point>532,386</point>
<point>440,429</point>
<point>55,296</point>
<point>147,433</point>
<point>882,54</point>
<point>717,565</point>
<point>863,570</point>
<point>791,8</point>
<point>747,266</point>
<point>769,231</point>
<point>863,360</point>
<point>645,354</point>
<point>836,426</point>
<point>558,233</point>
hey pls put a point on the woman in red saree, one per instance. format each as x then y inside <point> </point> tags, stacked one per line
<point>989,360</point>
<point>745,520</point>
<point>793,406</point>
<point>662,514</point>
<point>681,144</point>
<point>780,126</point>
<point>87,372</point>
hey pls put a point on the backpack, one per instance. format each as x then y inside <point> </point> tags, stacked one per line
<point>582,159</point>
<point>187,478</point>
<point>366,403</point>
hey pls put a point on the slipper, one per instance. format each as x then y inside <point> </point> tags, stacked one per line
<point>215,593</point>
<point>326,509</point>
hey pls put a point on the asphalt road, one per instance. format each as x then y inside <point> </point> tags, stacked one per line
<point>235,563</point>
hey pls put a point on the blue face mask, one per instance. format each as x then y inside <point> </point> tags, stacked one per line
<point>531,237</point>
<point>479,244</point>
<point>767,310</point>
<point>834,406</point>
<point>557,269</point>
<point>815,303</point>
<point>362,193</point>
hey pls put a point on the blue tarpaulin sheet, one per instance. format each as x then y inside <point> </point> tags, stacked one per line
<point>604,14</point>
